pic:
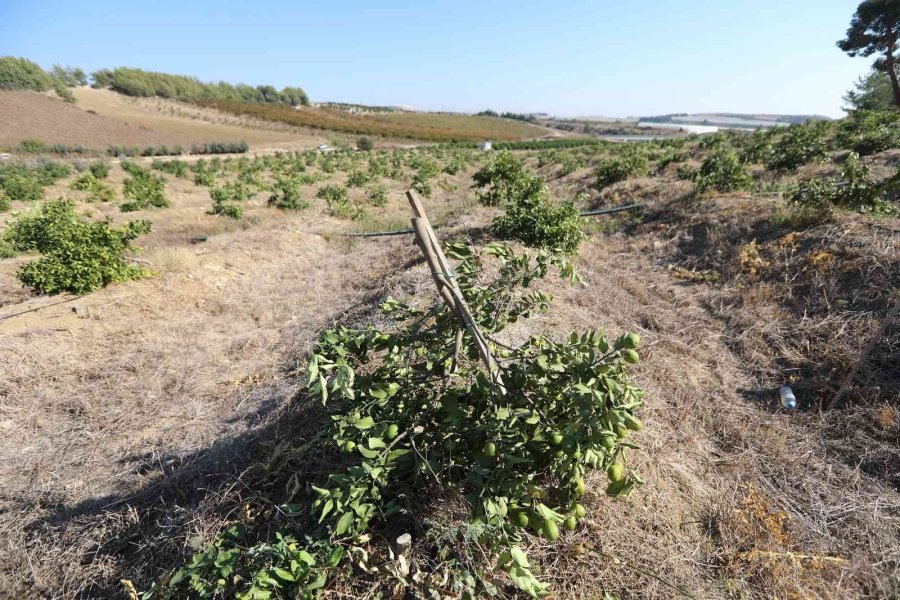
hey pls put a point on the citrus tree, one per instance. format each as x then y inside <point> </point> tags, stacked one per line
<point>413,406</point>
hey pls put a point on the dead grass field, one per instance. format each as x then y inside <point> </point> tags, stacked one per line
<point>33,115</point>
<point>133,431</point>
<point>195,123</point>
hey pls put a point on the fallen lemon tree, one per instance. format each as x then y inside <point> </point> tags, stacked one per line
<point>436,401</point>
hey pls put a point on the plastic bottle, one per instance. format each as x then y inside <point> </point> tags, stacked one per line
<point>788,400</point>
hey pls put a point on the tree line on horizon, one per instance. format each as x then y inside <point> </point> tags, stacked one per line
<point>137,82</point>
<point>18,73</point>
<point>23,74</point>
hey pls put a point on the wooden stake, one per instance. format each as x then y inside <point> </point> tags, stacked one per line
<point>447,286</point>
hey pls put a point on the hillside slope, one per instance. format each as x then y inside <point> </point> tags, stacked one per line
<point>26,115</point>
<point>198,124</point>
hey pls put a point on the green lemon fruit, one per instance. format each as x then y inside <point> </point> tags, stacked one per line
<point>630,356</point>
<point>550,530</point>
<point>615,472</point>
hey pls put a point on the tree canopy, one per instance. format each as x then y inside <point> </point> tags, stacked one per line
<point>871,91</point>
<point>874,29</point>
<point>137,82</point>
<point>22,74</point>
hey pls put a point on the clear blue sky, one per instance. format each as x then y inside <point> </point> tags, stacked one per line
<point>614,58</point>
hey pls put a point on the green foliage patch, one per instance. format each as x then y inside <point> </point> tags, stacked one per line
<point>853,189</point>
<point>78,255</point>
<point>286,194</point>
<point>409,413</point>
<point>868,132</point>
<point>143,189</point>
<point>799,145</point>
<point>630,163</point>
<point>723,171</point>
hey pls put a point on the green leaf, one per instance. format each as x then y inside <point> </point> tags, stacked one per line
<point>365,423</point>
<point>335,557</point>
<point>518,556</point>
<point>344,524</point>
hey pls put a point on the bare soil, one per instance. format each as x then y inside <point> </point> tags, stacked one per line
<point>31,115</point>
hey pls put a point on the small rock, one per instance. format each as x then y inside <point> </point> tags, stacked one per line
<point>80,310</point>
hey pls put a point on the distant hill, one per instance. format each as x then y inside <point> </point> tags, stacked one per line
<point>33,115</point>
<point>732,120</point>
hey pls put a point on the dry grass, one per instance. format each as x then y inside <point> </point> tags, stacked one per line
<point>172,407</point>
<point>33,115</point>
<point>194,123</point>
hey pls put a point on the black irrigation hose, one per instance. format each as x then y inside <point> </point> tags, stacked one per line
<point>608,211</point>
<point>379,233</point>
<point>585,213</point>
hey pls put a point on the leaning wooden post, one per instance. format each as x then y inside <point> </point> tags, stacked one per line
<point>447,286</point>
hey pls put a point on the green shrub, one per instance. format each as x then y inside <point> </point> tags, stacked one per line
<point>377,195</point>
<point>421,185</point>
<point>20,184</point>
<point>97,190</point>
<point>685,173</point>
<point>365,143</point>
<point>815,193</point>
<point>286,195</point>
<point>143,189</point>
<point>31,146</point>
<point>541,224</point>
<point>220,148</point>
<point>756,146</point>
<point>84,182</point>
<point>64,93</point>
<point>78,255</point>
<point>867,132</point>
<point>230,192</point>
<point>631,163</point>
<point>724,172</point>
<point>99,169</point>
<point>5,203</point>
<point>233,211</point>
<point>568,163</point>
<point>49,172</point>
<point>175,167</point>
<point>517,452</point>
<point>338,199</point>
<point>533,219</point>
<point>799,145</point>
<point>22,74</point>
<point>6,248</point>
<point>357,179</point>
<point>137,82</point>
<point>854,189</point>
<point>502,181</point>
<point>204,179</point>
